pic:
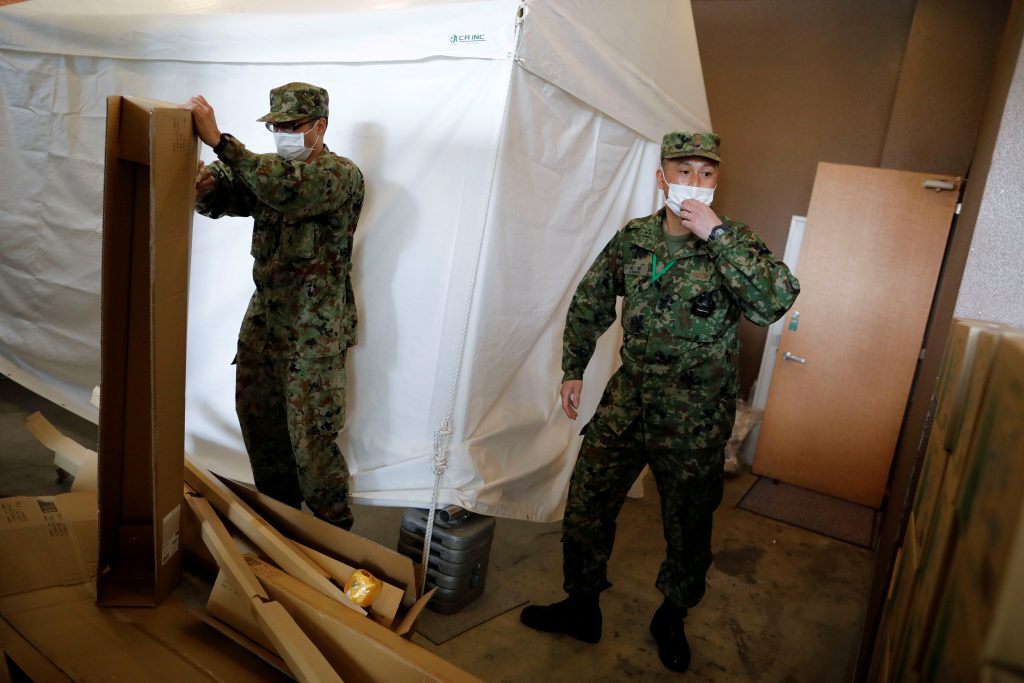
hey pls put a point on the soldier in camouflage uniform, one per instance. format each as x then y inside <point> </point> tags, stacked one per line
<point>290,379</point>
<point>686,275</point>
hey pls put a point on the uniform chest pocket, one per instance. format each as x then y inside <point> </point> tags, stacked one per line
<point>298,241</point>
<point>637,306</point>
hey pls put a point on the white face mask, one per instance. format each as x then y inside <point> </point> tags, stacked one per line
<point>677,194</point>
<point>292,146</point>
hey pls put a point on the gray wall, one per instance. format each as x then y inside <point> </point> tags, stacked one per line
<point>993,281</point>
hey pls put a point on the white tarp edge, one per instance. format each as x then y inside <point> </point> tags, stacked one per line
<point>640,67</point>
<point>260,31</point>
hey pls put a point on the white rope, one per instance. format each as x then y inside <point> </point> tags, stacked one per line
<point>442,436</point>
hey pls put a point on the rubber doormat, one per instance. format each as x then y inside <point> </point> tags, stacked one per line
<point>496,599</point>
<point>818,512</point>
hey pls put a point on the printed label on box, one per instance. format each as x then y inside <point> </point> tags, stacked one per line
<point>171,534</point>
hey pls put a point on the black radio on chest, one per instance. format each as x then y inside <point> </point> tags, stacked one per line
<point>703,305</point>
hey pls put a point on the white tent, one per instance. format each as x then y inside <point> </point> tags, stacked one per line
<point>503,144</point>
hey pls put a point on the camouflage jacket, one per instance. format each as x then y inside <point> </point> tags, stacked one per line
<point>305,215</point>
<point>679,369</point>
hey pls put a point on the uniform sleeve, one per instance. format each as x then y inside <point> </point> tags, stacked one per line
<point>592,310</point>
<point>228,197</point>
<point>763,286</point>
<point>296,189</point>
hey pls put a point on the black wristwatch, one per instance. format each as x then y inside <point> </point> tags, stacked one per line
<point>221,144</point>
<point>716,232</point>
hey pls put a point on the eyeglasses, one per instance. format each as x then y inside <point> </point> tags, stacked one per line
<point>290,126</point>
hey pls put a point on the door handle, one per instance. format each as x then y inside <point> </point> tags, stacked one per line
<point>796,359</point>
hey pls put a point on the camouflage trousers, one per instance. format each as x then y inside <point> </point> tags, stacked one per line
<point>290,411</point>
<point>690,485</point>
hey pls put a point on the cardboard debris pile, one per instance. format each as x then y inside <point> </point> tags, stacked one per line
<point>86,578</point>
<point>279,591</point>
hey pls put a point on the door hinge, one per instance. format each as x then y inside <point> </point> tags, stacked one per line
<point>939,185</point>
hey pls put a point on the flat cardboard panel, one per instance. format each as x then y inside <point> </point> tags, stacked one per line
<point>232,605</point>
<point>1002,646</point>
<point>183,632</point>
<point>928,489</point>
<point>994,674</point>
<point>87,642</point>
<point>991,501</point>
<point>37,667</point>
<point>218,540</point>
<point>151,154</point>
<point>955,648</point>
<point>954,377</point>
<point>979,374</point>
<point>903,590</point>
<point>304,659</point>
<point>68,455</point>
<point>47,541</point>
<point>167,644</point>
<point>936,557</point>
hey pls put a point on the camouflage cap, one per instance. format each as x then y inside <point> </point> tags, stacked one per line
<point>295,101</point>
<point>678,144</point>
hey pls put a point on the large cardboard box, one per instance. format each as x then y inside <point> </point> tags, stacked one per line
<point>52,629</point>
<point>1006,630</point>
<point>991,504</point>
<point>993,674</point>
<point>47,541</point>
<point>936,556</point>
<point>961,371</point>
<point>954,378</point>
<point>954,653</point>
<point>148,197</point>
<point>979,375</point>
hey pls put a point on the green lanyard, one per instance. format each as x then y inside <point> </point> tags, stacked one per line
<point>655,273</point>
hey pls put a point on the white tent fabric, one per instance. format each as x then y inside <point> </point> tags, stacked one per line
<point>503,144</point>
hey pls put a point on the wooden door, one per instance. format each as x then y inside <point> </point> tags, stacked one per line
<point>869,262</point>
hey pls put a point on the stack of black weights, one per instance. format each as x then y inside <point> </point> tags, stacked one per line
<point>459,552</point>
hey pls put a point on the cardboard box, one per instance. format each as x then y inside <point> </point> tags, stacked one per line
<point>52,629</point>
<point>954,377</point>
<point>936,556</point>
<point>905,584</point>
<point>47,541</point>
<point>954,653</point>
<point>986,345</point>
<point>992,490</point>
<point>929,484</point>
<point>991,503</point>
<point>994,674</point>
<point>1006,630</point>
<point>148,197</point>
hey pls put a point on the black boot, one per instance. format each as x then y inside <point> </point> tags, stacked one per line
<point>667,629</point>
<point>577,615</point>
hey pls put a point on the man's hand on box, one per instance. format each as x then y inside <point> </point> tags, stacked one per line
<point>204,120</point>
<point>205,181</point>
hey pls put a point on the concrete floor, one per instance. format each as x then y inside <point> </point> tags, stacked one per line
<point>783,604</point>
